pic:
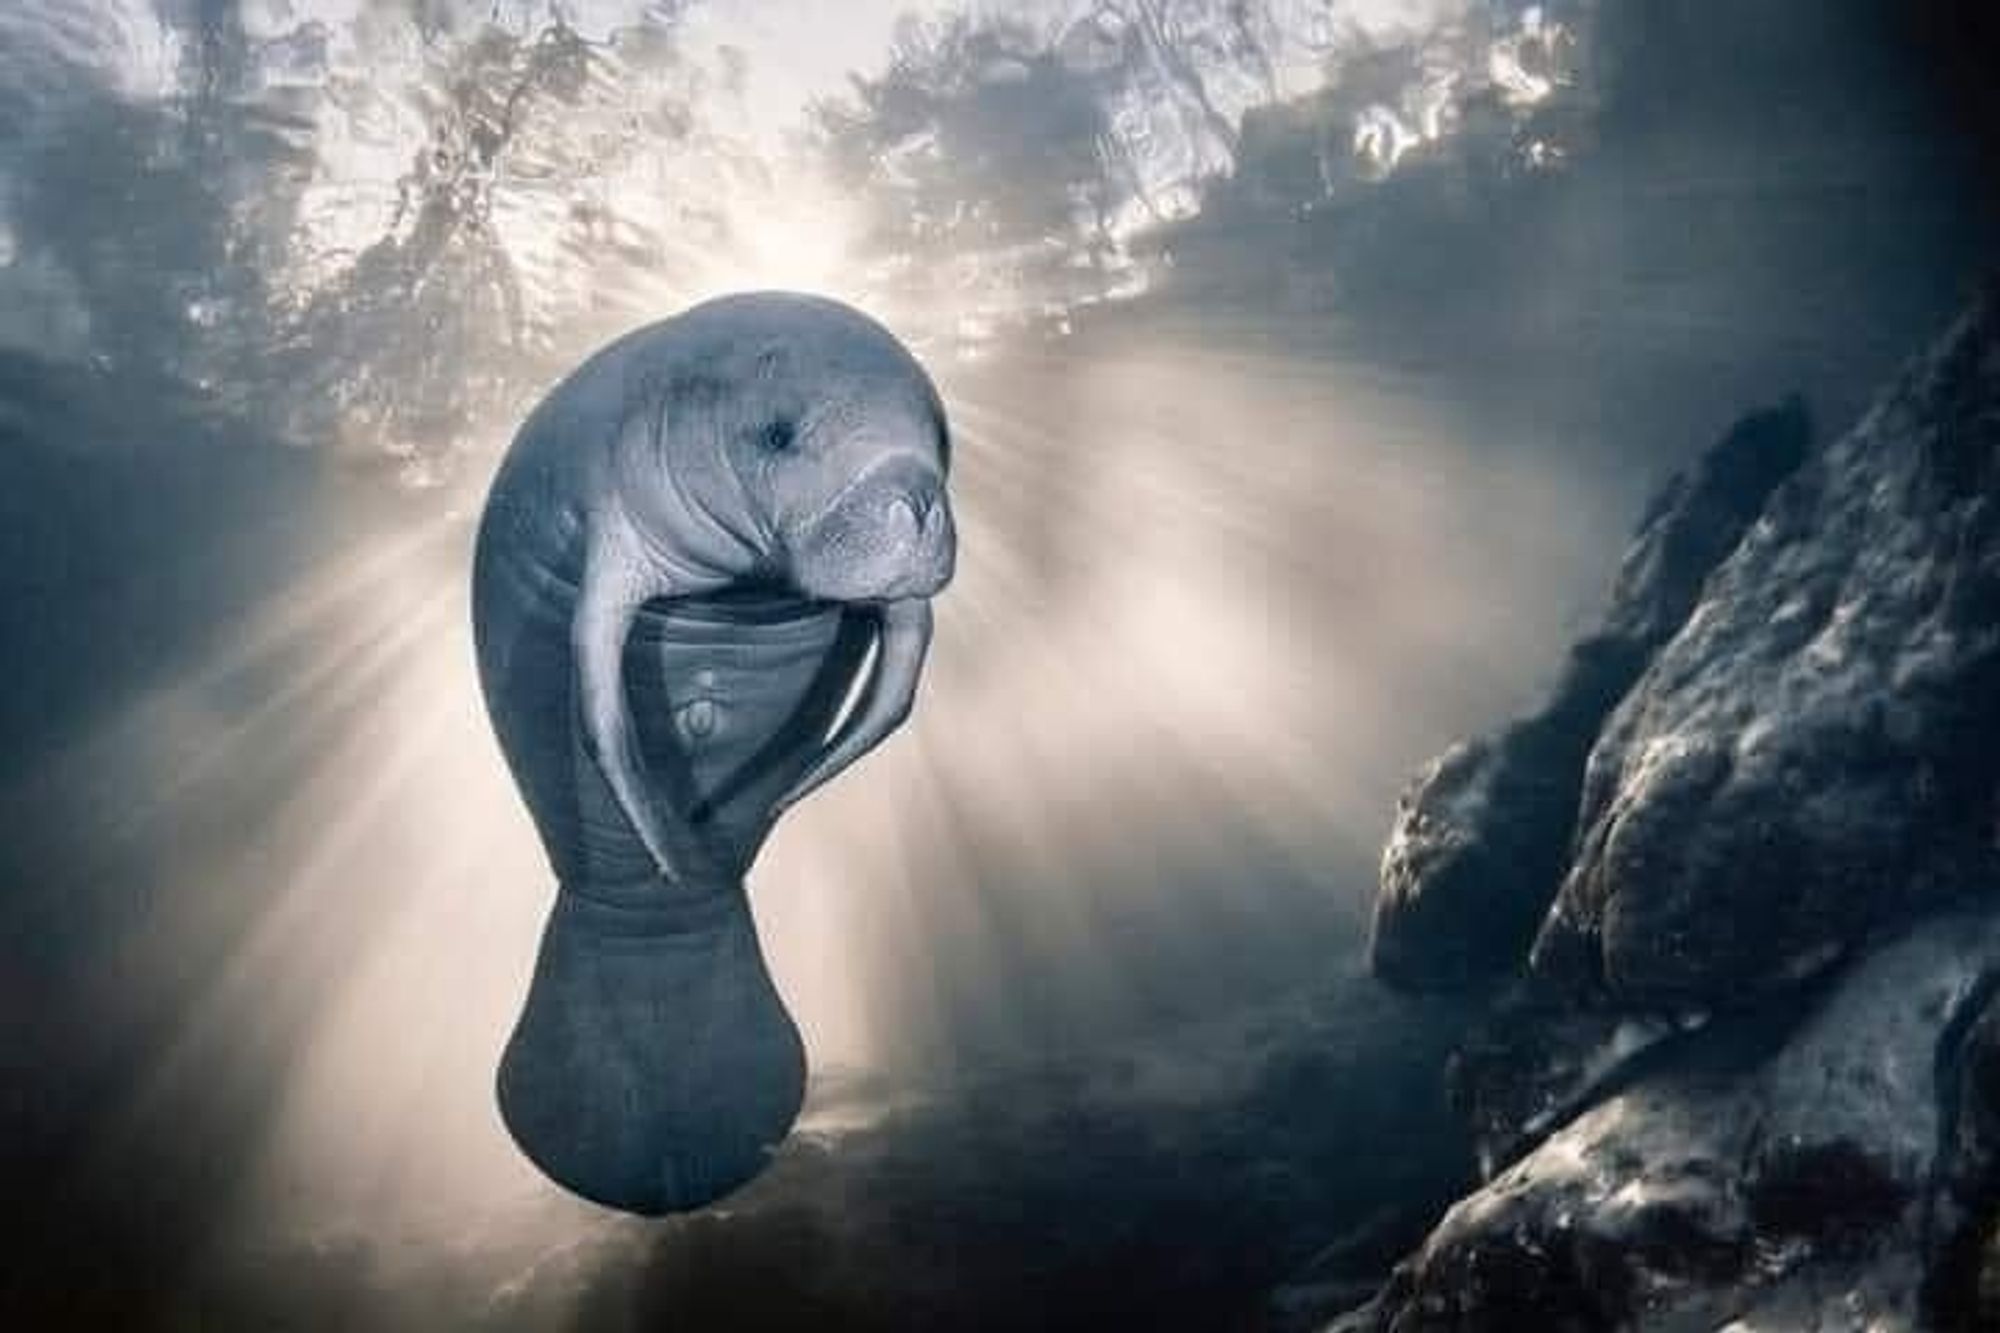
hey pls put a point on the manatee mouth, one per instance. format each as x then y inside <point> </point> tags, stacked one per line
<point>885,536</point>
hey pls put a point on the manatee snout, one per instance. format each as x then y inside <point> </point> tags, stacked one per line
<point>886,536</point>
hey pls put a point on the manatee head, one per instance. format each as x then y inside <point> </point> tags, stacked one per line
<point>839,442</point>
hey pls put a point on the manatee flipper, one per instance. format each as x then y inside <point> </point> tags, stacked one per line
<point>886,701</point>
<point>617,581</point>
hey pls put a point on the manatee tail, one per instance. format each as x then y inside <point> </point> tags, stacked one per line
<point>654,1068</point>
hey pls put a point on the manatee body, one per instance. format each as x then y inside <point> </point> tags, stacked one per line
<point>695,545</point>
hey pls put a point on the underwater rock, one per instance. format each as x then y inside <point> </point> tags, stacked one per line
<point>1811,758</point>
<point>1747,1075</point>
<point>1779,1187</point>
<point>1480,837</point>
<point>1964,1278</point>
<point>1531,1063</point>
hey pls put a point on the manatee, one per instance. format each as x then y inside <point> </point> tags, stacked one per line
<point>701,589</point>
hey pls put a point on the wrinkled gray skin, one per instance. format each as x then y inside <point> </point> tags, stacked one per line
<point>685,560</point>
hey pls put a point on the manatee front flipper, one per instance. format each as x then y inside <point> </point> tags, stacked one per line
<point>886,703</point>
<point>617,581</point>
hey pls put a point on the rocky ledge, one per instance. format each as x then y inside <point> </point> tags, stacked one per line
<point>1733,896</point>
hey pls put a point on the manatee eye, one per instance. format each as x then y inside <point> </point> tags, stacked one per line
<point>777,436</point>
